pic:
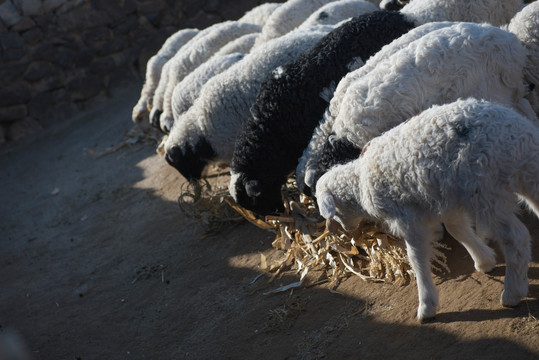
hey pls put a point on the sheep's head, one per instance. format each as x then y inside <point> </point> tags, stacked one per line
<point>190,160</point>
<point>336,203</point>
<point>393,5</point>
<point>334,152</point>
<point>155,115</point>
<point>262,197</point>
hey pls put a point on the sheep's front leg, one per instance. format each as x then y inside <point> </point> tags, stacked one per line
<point>418,246</point>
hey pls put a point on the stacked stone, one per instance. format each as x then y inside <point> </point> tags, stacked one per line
<point>60,56</point>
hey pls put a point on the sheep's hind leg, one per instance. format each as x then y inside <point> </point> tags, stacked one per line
<point>514,239</point>
<point>459,226</point>
<point>418,246</point>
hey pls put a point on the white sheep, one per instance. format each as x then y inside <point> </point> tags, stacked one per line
<point>243,45</point>
<point>287,17</point>
<point>337,11</point>
<point>259,14</point>
<point>187,90</point>
<point>309,158</point>
<point>194,53</point>
<point>495,12</point>
<point>525,25</point>
<point>153,72</point>
<point>463,60</point>
<point>207,131</point>
<point>455,164</point>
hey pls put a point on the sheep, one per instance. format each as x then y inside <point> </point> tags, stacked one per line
<point>207,131</point>
<point>289,107</point>
<point>525,25</point>
<point>153,72</point>
<point>187,90</point>
<point>462,60</point>
<point>259,14</point>
<point>393,5</point>
<point>448,165</point>
<point>194,53</point>
<point>336,11</point>
<point>287,17</point>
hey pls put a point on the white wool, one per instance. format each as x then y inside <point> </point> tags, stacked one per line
<point>525,25</point>
<point>459,164</point>
<point>196,52</point>
<point>321,133</point>
<point>187,90</point>
<point>224,102</point>
<point>287,17</point>
<point>259,14</point>
<point>153,71</point>
<point>494,12</point>
<point>337,11</point>
<point>459,61</point>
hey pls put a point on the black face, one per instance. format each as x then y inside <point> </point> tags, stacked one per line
<point>262,198</point>
<point>335,152</point>
<point>154,118</point>
<point>189,160</point>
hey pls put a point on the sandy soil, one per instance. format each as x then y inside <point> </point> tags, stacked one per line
<point>98,262</point>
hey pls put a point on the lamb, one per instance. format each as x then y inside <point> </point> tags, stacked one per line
<point>259,14</point>
<point>287,17</point>
<point>463,60</point>
<point>194,53</point>
<point>153,72</point>
<point>336,11</point>
<point>289,107</point>
<point>207,131</point>
<point>525,25</point>
<point>448,165</point>
<point>186,92</point>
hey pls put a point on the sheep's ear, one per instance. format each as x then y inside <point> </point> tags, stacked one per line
<point>252,188</point>
<point>326,205</point>
<point>309,177</point>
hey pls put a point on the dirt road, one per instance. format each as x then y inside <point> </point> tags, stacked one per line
<point>98,262</point>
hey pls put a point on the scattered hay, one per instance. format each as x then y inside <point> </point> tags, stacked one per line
<point>302,235</point>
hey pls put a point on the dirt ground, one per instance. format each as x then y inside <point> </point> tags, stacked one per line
<point>98,262</point>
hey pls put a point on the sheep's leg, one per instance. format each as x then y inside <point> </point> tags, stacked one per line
<point>418,246</point>
<point>532,202</point>
<point>459,226</point>
<point>514,239</point>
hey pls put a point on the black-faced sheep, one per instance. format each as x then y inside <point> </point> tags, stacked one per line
<point>189,57</point>
<point>449,165</point>
<point>463,60</point>
<point>153,73</point>
<point>290,106</point>
<point>207,131</point>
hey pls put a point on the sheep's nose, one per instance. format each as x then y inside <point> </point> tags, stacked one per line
<point>154,118</point>
<point>173,156</point>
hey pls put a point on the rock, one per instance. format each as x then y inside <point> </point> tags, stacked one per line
<point>26,23</point>
<point>128,24</point>
<point>11,40</point>
<point>30,7</point>
<point>38,70</point>
<point>149,7</point>
<point>83,17</point>
<point>32,36</point>
<point>24,128</point>
<point>13,113</point>
<point>44,21</point>
<point>84,88</point>
<point>50,5</point>
<point>14,92</point>
<point>9,14</point>
<point>102,66</point>
<point>3,133</point>
<point>120,79</point>
<point>203,20</point>
<point>45,52</point>
<point>70,5</point>
<point>41,106</point>
<point>99,34</point>
<point>112,46</point>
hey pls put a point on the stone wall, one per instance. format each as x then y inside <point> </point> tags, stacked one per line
<point>61,56</point>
